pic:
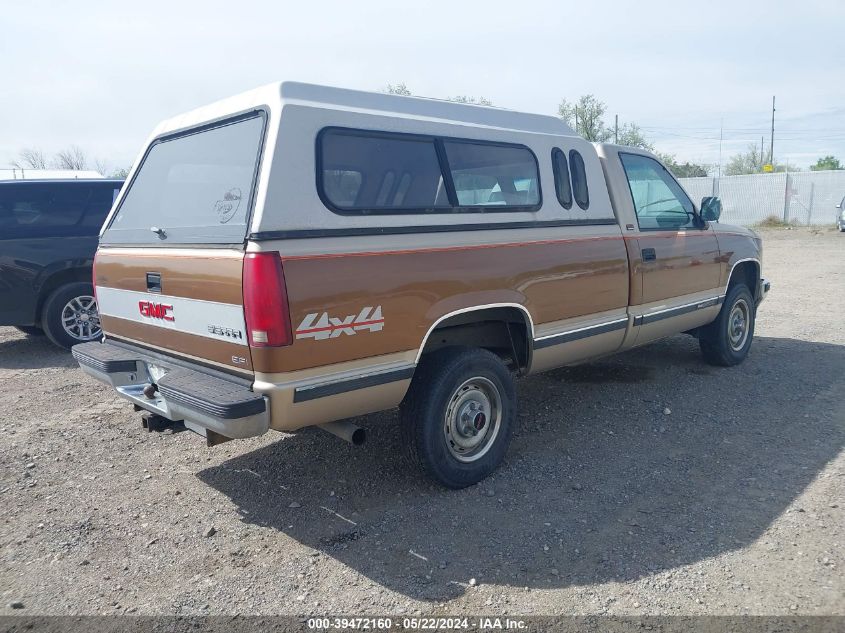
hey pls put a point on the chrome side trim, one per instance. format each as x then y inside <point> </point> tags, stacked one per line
<point>579,333</point>
<point>474,309</point>
<point>324,389</point>
<point>659,315</point>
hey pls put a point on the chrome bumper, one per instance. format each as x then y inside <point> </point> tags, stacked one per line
<point>204,401</point>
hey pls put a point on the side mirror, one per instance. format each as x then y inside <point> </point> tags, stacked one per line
<point>711,208</point>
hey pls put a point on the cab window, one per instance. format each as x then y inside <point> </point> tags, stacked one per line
<point>658,199</point>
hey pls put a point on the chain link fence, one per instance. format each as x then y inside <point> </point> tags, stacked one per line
<point>807,197</point>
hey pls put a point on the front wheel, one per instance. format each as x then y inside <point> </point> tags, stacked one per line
<point>70,315</point>
<point>458,416</point>
<point>726,341</point>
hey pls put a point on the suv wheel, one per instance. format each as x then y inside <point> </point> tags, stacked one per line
<point>458,415</point>
<point>70,315</point>
<point>726,341</point>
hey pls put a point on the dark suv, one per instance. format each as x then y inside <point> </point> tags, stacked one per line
<point>48,236</point>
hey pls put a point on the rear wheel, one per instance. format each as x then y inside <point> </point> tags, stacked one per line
<point>70,315</point>
<point>458,416</point>
<point>726,341</point>
<point>30,330</point>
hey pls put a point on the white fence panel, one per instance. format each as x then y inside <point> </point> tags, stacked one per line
<point>808,197</point>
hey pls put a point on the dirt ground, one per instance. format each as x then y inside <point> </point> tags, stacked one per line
<point>732,503</point>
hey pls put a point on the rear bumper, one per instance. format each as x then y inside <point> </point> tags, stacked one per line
<point>204,401</point>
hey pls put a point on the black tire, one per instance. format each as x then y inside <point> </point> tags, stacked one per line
<point>54,306</point>
<point>30,330</point>
<point>454,380</point>
<point>720,342</point>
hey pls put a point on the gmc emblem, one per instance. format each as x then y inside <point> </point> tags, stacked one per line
<point>156,310</point>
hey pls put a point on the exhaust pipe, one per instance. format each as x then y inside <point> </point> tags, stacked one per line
<point>345,430</point>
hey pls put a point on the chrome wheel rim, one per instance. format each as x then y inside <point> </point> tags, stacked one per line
<point>473,419</point>
<point>739,321</point>
<point>80,318</point>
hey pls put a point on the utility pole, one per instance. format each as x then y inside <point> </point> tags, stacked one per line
<point>762,158</point>
<point>772,146</point>
<point>716,188</point>
<point>616,130</point>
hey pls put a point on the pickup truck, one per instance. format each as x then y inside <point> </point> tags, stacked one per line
<point>299,255</point>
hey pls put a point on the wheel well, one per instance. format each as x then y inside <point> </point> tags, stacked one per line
<point>504,331</point>
<point>57,280</point>
<point>747,273</point>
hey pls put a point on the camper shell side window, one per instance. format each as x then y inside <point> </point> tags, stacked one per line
<point>579,179</point>
<point>563,188</point>
<point>368,172</point>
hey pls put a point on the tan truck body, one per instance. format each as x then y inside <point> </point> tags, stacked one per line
<point>370,294</point>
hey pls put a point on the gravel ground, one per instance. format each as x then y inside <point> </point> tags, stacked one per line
<point>648,483</point>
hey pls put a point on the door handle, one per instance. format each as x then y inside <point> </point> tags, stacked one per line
<point>649,255</point>
<point>154,282</point>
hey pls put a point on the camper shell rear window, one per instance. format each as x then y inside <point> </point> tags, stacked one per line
<point>366,172</point>
<point>195,187</point>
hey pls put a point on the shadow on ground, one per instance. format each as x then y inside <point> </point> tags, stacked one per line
<point>600,484</point>
<point>32,352</point>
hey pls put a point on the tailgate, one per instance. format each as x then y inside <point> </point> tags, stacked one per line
<point>168,273</point>
<point>188,302</point>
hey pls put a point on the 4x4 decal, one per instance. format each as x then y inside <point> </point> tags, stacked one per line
<point>326,327</point>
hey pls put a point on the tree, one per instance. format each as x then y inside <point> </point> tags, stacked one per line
<point>585,117</point>
<point>752,161</point>
<point>101,166</point>
<point>30,158</point>
<point>398,89</point>
<point>685,169</point>
<point>631,135</point>
<point>71,158</point>
<point>402,89</point>
<point>827,162</point>
<point>471,100</point>
<point>121,172</point>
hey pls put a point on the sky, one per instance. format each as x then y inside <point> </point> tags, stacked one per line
<point>101,75</point>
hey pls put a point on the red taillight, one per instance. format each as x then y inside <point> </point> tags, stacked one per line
<point>266,301</point>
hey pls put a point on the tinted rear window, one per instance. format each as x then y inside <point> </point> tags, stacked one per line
<point>194,188</point>
<point>54,209</point>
